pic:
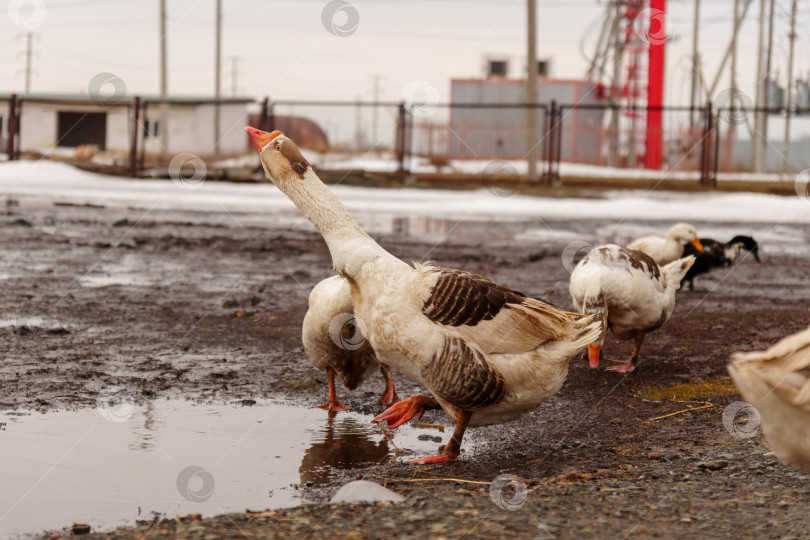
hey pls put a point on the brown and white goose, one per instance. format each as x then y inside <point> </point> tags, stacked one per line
<point>777,383</point>
<point>629,292</point>
<point>334,343</point>
<point>665,250</point>
<point>488,354</point>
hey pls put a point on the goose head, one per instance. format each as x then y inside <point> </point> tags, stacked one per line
<point>686,233</point>
<point>282,161</point>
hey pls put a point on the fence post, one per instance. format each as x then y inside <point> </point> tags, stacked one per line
<point>549,114</point>
<point>264,119</point>
<point>552,175</point>
<point>716,162</point>
<point>133,148</point>
<point>400,142</point>
<point>271,117</point>
<point>12,127</point>
<point>706,147</point>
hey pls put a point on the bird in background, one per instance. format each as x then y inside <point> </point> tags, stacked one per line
<point>717,255</point>
<point>665,250</point>
<point>628,292</point>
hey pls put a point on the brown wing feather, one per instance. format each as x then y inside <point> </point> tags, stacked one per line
<point>461,298</point>
<point>462,376</point>
<point>494,318</point>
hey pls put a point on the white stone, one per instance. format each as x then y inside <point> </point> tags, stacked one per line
<point>363,491</point>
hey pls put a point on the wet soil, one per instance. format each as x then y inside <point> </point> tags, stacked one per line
<point>98,302</point>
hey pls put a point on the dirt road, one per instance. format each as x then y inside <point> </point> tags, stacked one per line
<point>205,306</point>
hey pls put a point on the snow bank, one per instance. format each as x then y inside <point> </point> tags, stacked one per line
<point>50,181</point>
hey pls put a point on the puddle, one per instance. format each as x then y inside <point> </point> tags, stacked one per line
<point>114,465</point>
<point>30,321</point>
<point>105,281</point>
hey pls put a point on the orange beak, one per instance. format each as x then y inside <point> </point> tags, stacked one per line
<point>260,138</point>
<point>593,355</point>
<point>697,244</point>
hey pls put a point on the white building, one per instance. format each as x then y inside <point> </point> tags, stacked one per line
<point>49,121</point>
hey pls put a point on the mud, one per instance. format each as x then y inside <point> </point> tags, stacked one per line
<point>99,303</point>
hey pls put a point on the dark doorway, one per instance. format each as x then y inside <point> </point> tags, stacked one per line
<point>76,128</point>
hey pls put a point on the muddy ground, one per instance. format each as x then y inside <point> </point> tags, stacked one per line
<point>101,302</point>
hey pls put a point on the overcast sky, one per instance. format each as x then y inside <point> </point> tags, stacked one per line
<point>287,52</point>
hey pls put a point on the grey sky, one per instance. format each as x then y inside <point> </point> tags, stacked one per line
<point>288,54</point>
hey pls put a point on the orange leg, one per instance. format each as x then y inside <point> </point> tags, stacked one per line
<point>333,404</point>
<point>389,397</point>
<point>401,412</point>
<point>452,448</point>
<point>631,364</point>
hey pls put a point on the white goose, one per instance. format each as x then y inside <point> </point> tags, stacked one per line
<point>777,383</point>
<point>665,250</point>
<point>487,353</point>
<point>629,292</point>
<point>334,343</point>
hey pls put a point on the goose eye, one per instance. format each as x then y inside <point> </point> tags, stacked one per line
<point>278,146</point>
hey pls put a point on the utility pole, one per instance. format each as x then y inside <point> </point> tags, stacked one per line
<point>767,86</point>
<point>29,53</point>
<point>234,74</point>
<point>615,91</point>
<point>532,134</point>
<point>733,70</point>
<point>789,103</point>
<point>695,65</point>
<point>375,93</point>
<point>217,77</point>
<point>757,140</point>
<point>164,95</point>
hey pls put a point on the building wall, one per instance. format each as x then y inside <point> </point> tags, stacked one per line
<point>502,133</point>
<point>191,127</point>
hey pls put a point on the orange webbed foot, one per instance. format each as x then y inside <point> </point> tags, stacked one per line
<point>388,398</point>
<point>401,412</point>
<point>624,369</point>
<point>441,458</point>
<point>332,406</point>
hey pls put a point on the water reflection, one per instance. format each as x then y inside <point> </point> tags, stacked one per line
<point>346,445</point>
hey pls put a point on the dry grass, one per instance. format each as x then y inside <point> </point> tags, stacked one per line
<point>689,391</point>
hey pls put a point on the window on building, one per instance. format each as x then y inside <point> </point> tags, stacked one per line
<point>151,127</point>
<point>498,68</point>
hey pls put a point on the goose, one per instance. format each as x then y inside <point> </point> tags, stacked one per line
<point>665,250</point>
<point>333,342</point>
<point>628,291</point>
<point>717,254</point>
<point>777,383</point>
<point>487,354</point>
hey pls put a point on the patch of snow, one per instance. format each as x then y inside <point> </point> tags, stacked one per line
<point>52,182</point>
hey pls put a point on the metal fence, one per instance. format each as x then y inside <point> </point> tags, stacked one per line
<point>409,136</point>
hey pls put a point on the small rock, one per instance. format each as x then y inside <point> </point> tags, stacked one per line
<point>713,465</point>
<point>654,456</point>
<point>364,491</point>
<point>81,528</point>
<point>604,473</point>
<point>426,437</point>
<point>359,476</point>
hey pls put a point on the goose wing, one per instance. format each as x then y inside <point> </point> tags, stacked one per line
<point>494,318</point>
<point>785,367</point>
